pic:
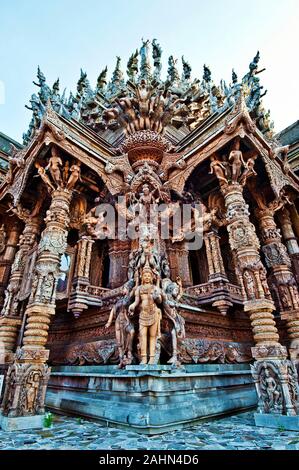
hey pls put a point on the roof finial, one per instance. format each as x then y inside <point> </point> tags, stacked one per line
<point>132,66</point>
<point>145,68</point>
<point>157,53</point>
<point>186,69</point>
<point>117,74</point>
<point>173,74</point>
<point>102,79</point>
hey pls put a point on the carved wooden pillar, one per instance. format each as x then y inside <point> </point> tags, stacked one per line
<point>27,378</point>
<point>214,256</point>
<point>281,276</point>
<point>81,254</point>
<point>178,256</point>
<point>288,232</point>
<point>9,251</point>
<point>270,355</point>
<point>245,247</point>
<point>12,242</point>
<point>294,217</point>
<point>119,260</point>
<point>10,320</point>
<point>83,258</point>
<point>77,303</point>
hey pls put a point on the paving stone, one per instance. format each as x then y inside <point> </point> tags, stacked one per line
<point>235,432</point>
<point>213,447</point>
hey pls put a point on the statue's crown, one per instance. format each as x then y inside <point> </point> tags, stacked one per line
<point>147,269</point>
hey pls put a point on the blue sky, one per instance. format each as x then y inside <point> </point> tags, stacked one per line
<point>64,35</point>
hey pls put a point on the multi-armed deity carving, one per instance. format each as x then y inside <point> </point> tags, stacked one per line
<point>153,298</point>
<point>146,101</point>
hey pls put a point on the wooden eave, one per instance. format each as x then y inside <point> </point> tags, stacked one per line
<point>75,139</point>
<point>217,132</point>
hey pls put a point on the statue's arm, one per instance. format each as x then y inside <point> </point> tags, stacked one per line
<point>179,282</point>
<point>136,302</point>
<point>157,295</point>
<point>112,313</point>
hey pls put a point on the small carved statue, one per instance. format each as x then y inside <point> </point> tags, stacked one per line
<point>171,293</point>
<point>148,256</point>
<point>264,282</point>
<point>32,387</point>
<point>294,292</point>
<point>54,165</point>
<point>2,238</point>
<point>270,390</point>
<point>147,296</point>
<point>75,175</point>
<point>249,171</point>
<point>147,201</point>
<point>218,168</point>
<point>42,173</point>
<point>249,284</point>
<point>143,94</point>
<point>284,296</point>
<point>47,287</point>
<point>124,328</point>
<point>236,161</point>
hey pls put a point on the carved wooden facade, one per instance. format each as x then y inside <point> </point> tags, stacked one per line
<point>233,299</point>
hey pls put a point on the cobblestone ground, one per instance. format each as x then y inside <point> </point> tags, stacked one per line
<point>234,433</point>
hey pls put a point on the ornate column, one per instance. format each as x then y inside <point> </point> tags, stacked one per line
<point>275,377</point>
<point>294,219</point>
<point>214,256</point>
<point>282,280</point>
<point>179,262</point>
<point>10,319</point>
<point>119,251</point>
<point>288,232</point>
<point>12,242</point>
<point>26,381</point>
<point>83,258</point>
<point>8,248</point>
<point>77,303</point>
<point>216,268</point>
<point>251,272</point>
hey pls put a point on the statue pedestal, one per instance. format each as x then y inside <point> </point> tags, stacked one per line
<point>8,423</point>
<point>151,399</point>
<point>277,421</point>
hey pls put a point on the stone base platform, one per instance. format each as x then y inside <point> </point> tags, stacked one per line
<point>8,423</point>
<point>289,423</point>
<point>151,399</point>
